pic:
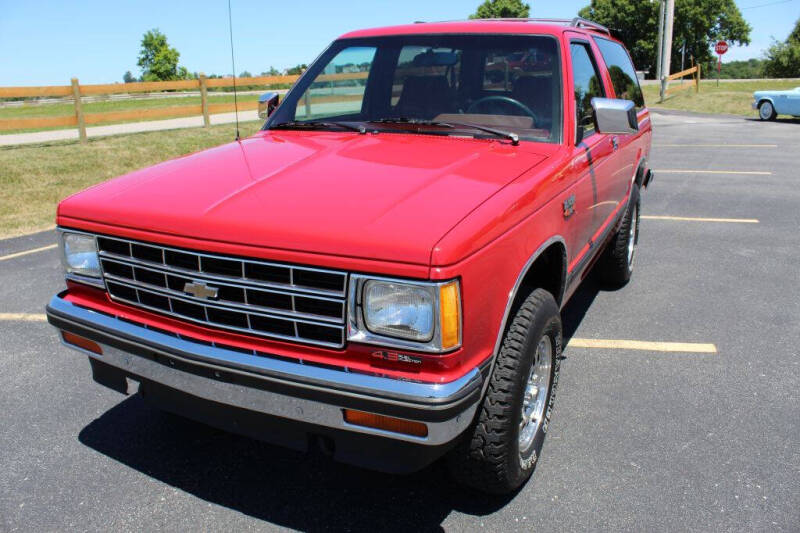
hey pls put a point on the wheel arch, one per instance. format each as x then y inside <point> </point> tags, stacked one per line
<point>641,170</point>
<point>769,99</point>
<point>546,268</point>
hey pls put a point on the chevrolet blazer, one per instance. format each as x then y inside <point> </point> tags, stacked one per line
<point>379,271</point>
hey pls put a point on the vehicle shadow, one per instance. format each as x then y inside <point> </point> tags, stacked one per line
<point>306,491</point>
<point>578,305</point>
<point>778,120</point>
<point>284,487</point>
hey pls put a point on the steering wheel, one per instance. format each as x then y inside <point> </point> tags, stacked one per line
<point>473,108</point>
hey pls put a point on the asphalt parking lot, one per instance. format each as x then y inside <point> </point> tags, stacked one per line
<point>647,436</point>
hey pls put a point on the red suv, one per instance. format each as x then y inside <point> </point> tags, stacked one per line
<point>380,270</point>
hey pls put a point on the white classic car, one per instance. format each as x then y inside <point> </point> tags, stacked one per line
<point>773,103</point>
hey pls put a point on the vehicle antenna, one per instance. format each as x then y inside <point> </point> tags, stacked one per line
<point>233,66</point>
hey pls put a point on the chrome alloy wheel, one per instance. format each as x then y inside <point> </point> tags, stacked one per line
<point>534,404</point>
<point>632,235</point>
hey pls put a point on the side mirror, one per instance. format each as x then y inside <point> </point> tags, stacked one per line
<point>612,115</point>
<point>267,103</point>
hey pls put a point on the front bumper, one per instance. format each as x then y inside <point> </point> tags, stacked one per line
<point>309,394</point>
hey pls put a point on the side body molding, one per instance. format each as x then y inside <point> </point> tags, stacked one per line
<point>512,295</point>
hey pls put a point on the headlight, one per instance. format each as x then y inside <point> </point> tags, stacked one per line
<point>399,310</point>
<point>80,254</point>
<point>420,316</point>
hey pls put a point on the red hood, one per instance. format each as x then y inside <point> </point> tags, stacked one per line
<point>384,196</point>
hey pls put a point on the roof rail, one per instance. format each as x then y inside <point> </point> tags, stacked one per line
<point>565,22</point>
<point>577,22</point>
<point>580,22</point>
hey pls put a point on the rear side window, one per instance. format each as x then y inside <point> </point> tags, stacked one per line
<point>587,83</point>
<point>620,68</point>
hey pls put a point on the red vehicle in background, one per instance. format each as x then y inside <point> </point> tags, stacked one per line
<point>381,268</point>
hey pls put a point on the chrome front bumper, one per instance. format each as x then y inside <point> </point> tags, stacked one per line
<point>280,388</point>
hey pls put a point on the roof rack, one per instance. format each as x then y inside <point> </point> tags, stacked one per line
<point>576,22</point>
<point>580,22</point>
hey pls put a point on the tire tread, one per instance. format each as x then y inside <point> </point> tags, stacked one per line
<point>613,266</point>
<point>482,461</point>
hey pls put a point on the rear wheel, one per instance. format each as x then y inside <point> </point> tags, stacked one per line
<point>616,265</point>
<point>766,111</point>
<point>499,452</point>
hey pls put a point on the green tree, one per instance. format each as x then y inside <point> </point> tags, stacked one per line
<point>296,70</point>
<point>128,77</point>
<point>158,60</point>
<point>795,35</point>
<point>505,9</point>
<point>749,69</point>
<point>245,74</point>
<point>783,59</point>
<point>698,23</point>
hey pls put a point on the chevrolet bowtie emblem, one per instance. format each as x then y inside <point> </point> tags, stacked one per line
<point>199,289</point>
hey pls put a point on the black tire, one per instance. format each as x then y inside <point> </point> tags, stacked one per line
<point>489,457</point>
<point>616,264</point>
<point>766,111</point>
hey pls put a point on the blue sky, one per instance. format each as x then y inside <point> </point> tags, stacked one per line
<point>48,42</point>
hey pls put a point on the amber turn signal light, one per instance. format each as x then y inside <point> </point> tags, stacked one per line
<point>386,423</point>
<point>450,315</point>
<point>81,342</point>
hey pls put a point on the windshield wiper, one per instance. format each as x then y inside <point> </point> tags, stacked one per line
<point>411,121</point>
<point>315,124</point>
<point>513,137</point>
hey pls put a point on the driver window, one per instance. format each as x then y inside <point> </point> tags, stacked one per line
<point>587,85</point>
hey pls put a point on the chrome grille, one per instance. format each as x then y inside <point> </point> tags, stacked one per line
<point>286,302</point>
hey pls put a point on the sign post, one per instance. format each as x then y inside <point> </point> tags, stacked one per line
<point>720,48</point>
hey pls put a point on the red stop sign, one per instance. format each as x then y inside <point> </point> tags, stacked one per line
<point>721,47</point>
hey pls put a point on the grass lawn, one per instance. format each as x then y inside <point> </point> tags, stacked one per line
<point>733,97</point>
<point>34,110</point>
<point>34,178</point>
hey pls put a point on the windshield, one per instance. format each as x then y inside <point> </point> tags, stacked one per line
<point>443,84</point>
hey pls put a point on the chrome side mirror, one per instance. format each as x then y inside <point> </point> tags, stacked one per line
<point>612,115</point>
<point>267,103</point>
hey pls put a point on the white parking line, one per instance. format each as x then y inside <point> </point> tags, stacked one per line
<point>650,346</point>
<point>23,317</point>
<point>687,171</point>
<point>702,219</point>
<point>27,252</point>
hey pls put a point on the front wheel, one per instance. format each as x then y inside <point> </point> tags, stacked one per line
<point>766,111</point>
<point>499,452</point>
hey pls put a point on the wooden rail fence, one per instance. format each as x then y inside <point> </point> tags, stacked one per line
<point>694,72</point>
<point>80,119</point>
